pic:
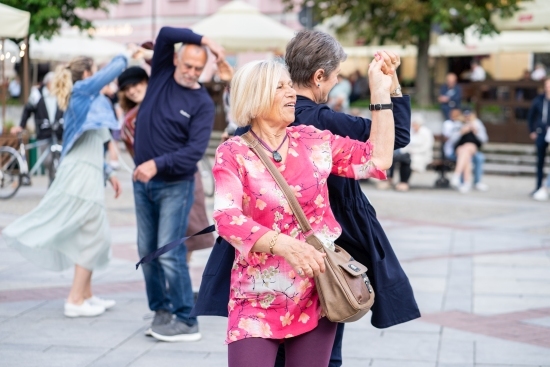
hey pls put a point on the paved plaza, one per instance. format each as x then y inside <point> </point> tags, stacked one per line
<point>479,265</point>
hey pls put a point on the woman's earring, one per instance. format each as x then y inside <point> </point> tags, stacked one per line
<point>319,85</point>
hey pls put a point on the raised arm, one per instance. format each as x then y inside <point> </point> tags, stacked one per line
<point>107,74</point>
<point>163,56</point>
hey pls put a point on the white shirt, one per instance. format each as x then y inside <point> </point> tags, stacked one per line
<point>51,103</point>
<point>478,74</point>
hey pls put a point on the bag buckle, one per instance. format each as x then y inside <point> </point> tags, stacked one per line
<point>367,282</point>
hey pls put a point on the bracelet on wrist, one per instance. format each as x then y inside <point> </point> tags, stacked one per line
<point>273,242</point>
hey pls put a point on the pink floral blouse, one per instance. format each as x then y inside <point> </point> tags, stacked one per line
<point>267,298</point>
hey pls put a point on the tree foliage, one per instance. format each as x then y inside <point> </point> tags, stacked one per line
<point>407,21</point>
<point>410,22</point>
<point>48,16</point>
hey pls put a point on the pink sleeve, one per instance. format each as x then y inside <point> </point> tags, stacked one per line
<point>352,158</point>
<point>239,230</point>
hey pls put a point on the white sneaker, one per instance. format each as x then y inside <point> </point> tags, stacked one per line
<point>85,309</point>
<point>480,186</point>
<point>114,165</point>
<point>465,187</point>
<point>107,303</point>
<point>455,181</point>
<point>541,194</point>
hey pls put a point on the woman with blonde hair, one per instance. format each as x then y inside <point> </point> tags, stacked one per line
<point>273,298</point>
<point>69,226</point>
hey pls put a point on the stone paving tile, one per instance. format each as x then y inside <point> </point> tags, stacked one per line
<point>58,356</point>
<point>400,346</point>
<point>164,358</point>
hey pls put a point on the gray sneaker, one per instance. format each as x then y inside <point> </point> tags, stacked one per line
<point>176,331</point>
<point>162,317</point>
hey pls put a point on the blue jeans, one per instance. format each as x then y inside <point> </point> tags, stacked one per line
<point>162,211</point>
<point>478,160</point>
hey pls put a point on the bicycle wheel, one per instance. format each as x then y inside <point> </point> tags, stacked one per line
<point>10,172</point>
<point>206,175</point>
<point>52,167</point>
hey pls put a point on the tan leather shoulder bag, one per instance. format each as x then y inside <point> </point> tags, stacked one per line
<point>344,289</point>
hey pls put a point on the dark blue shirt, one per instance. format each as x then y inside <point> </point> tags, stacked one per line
<point>536,112</point>
<point>174,123</point>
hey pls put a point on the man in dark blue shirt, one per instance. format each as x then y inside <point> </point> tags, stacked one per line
<point>450,95</point>
<point>173,127</point>
<point>539,120</point>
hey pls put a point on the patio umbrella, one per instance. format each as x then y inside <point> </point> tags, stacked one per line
<point>72,43</point>
<point>14,23</point>
<point>240,27</point>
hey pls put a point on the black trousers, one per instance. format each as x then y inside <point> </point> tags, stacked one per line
<point>403,160</point>
<point>542,146</point>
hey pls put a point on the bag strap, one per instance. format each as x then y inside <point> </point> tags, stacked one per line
<point>253,144</point>
<point>164,249</point>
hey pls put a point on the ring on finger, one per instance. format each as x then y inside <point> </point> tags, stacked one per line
<point>300,272</point>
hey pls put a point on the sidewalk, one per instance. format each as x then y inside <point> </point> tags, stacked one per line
<point>479,265</point>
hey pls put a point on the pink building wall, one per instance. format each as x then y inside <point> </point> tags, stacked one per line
<point>140,20</point>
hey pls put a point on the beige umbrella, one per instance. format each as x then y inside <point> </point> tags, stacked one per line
<point>14,23</point>
<point>240,27</point>
<point>534,15</point>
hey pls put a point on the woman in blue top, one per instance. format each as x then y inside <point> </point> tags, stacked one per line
<point>69,226</point>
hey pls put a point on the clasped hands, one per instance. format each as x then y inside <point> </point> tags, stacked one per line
<point>382,73</point>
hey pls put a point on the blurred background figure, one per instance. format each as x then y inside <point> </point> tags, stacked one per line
<point>338,98</point>
<point>450,95</point>
<point>478,73</point>
<point>539,73</point>
<point>414,157</point>
<point>359,86</point>
<point>539,119</point>
<point>43,105</point>
<point>465,134</point>
<point>14,88</point>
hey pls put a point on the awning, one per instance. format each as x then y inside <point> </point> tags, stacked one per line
<point>14,23</point>
<point>506,41</point>
<point>532,16</point>
<point>240,27</point>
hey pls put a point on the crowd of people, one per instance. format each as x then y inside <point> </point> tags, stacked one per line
<point>261,272</point>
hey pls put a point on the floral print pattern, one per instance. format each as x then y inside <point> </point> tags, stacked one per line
<point>267,298</point>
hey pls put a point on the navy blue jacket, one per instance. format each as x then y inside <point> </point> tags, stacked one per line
<point>535,115</point>
<point>362,235</point>
<point>174,123</point>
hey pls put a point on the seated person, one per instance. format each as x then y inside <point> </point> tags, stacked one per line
<point>415,156</point>
<point>465,134</point>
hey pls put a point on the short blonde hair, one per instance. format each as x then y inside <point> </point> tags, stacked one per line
<point>253,89</point>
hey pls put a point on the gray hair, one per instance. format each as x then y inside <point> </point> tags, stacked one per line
<point>184,46</point>
<point>48,78</point>
<point>310,51</point>
<point>417,117</point>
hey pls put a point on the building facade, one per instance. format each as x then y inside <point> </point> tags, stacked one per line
<point>138,21</point>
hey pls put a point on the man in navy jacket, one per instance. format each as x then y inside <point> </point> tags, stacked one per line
<point>173,127</point>
<point>539,120</point>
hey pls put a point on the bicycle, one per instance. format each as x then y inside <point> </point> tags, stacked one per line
<point>14,168</point>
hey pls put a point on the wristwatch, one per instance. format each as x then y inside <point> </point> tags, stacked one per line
<point>381,106</point>
<point>396,92</point>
